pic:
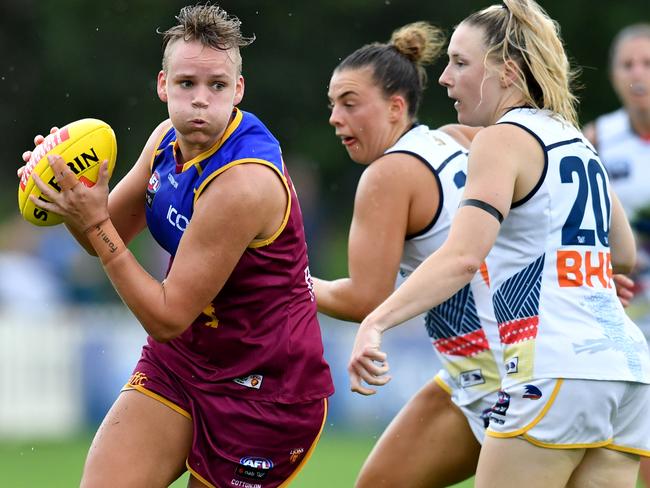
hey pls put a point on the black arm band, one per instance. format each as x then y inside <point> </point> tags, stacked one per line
<point>472,202</point>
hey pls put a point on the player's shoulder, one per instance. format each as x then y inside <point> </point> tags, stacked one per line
<point>392,176</point>
<point>161,129</point>
<point>160,132</point>
<point>505,145</point>
<point>462,134</point>
<point>501,135</point>
<point>393,165</point>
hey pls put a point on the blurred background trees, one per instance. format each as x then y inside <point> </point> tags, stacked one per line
<point>70,59</point>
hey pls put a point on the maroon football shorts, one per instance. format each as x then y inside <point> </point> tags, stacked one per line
<point>237,442</point>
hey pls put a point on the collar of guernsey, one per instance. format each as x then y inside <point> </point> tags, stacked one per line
<point>174,188</point>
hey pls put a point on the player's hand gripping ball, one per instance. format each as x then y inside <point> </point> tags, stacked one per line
<point>83,145</point>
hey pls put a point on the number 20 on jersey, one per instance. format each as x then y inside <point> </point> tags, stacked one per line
<point>575,266</point>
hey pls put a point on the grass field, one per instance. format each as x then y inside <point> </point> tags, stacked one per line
<point>42,464</point>
<point>48,464</point>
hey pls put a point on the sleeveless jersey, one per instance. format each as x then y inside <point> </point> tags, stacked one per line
<point>553,294</point>
<point>463,328</point>
<point>627,159</point>
<point>259,338</point>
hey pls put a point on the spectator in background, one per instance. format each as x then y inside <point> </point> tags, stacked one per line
<point>622,139</point>
<point>27,281</point>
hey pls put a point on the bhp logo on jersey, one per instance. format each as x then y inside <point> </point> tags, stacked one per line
<point>589,269</point>
<point>532,392</point>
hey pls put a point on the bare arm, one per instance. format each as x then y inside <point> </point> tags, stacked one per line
<point>126,200</point>
<point>252,201</point>
<point>457,261</point>
<point>621,239</point>
<point>376,241</point>
<point>464,134</point>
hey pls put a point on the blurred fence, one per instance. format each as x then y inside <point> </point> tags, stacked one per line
<point>60,370</point>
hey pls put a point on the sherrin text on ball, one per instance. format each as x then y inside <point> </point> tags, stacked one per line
<point>83,145</point>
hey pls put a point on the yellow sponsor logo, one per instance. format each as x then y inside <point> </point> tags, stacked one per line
<point>138,379</point>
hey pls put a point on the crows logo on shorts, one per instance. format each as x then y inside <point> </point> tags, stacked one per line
<point>532,392</point>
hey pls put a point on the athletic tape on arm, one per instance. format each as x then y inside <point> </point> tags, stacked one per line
<point>472,202</point>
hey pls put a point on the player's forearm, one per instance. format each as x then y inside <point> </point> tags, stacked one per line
<point>621,239</point>
<point>343,300</point>
<point>434,281</point>
<point>82,239</point>
<point>142,293</point>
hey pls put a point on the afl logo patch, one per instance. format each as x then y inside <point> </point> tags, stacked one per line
<point>152,187</point>
<point>252,467</point>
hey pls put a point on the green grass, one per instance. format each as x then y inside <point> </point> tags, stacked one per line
<point>337,461</point>
<point>32,464</point>
<point>38,463</point>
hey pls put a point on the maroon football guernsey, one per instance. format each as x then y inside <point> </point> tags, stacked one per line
<point>260,338</point>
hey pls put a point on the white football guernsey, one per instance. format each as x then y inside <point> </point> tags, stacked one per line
<point>460,327</point>
<point>550,269</point>
<point>627,159</point>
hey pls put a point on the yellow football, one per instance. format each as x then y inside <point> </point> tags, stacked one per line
<point>83,145</point>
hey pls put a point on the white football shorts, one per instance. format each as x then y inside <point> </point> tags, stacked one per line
<point>575,413</point>
<point>476,412</point>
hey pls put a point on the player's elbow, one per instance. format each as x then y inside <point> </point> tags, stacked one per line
<point>361,310</point>
<point>354,312</point>
<point>623,266</point>
<point>166,329</point>
<point>365,303</point>
<point>164,335</point>
<point>468,266</point>
<point>623,257</point>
